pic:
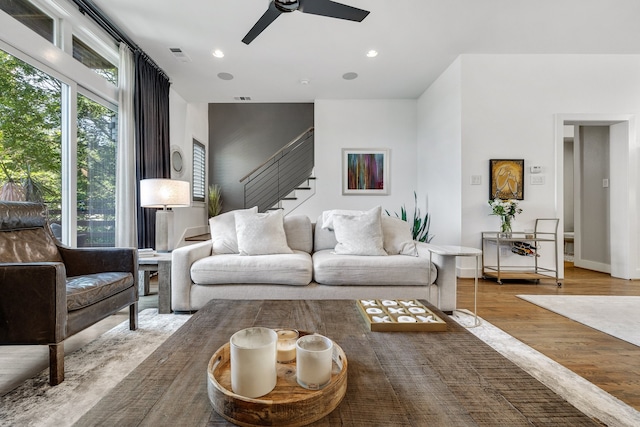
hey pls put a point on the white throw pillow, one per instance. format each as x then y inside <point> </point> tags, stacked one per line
<point>359,234</point>
<point>397,237</point>
<point>327,216</point>
<point>261,233</point>
<point>223,231</point>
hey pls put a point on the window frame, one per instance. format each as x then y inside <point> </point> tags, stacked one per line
<point>199,172</point>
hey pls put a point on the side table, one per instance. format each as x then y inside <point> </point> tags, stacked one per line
<point>160,262</point>
<point>456,251</point>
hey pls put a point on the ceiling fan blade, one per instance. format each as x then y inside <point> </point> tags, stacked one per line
<point>267,18</point>
<point>332,9</point>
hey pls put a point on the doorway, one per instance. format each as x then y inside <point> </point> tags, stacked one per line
<point>586,196</point>
<point>608,201</point>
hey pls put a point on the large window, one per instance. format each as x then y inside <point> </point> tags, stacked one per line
<point>30,134</point>
<point>96,174</point>
<point>58,124</point>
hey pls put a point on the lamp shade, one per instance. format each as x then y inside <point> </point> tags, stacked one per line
<point>164,193</point>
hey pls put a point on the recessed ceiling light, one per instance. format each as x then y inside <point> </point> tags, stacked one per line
<point>225,76</point>
<point>372,53</point>
<point>350,76</point>
<point>218,53</point>
<point>305,82</point>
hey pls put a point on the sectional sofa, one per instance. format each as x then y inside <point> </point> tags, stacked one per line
<point>344,255</point>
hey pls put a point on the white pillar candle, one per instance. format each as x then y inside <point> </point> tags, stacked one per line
<point>313,361</point>
<point>287,345</point>
<point>253,361</point>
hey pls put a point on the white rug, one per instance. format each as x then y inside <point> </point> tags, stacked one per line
<point>618,316</point>
<point>588,398</point>
<point>90,373</point>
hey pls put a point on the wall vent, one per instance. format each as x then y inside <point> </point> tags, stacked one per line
<point>242,98</point>
<point>179,54</point>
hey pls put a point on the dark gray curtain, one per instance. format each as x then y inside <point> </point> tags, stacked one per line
<point>151,105</point>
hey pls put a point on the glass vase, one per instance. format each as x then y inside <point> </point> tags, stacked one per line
<point>505,227</point>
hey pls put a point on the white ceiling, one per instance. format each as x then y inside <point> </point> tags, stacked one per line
<point>416,39</point>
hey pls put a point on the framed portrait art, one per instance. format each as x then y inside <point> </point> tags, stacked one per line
<point>365,171</point>
<point>506,179</point>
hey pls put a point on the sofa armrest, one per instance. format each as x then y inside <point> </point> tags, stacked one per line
<point>83,261</point>
<point>181,260</point>
<point>33,303</point>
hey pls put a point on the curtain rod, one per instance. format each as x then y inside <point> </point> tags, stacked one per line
<point>87,7</point>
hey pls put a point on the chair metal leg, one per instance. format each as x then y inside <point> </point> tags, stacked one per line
<point>56,363</point>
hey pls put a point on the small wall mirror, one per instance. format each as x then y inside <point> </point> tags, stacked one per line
<point>177,161</point>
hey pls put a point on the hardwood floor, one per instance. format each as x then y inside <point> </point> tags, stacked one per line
<point>610,363</point>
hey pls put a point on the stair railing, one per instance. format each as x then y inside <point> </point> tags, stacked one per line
<point>281,173</point>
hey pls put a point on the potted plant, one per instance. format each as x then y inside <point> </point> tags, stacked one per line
<point>419,225</point>
<point>214,200</point>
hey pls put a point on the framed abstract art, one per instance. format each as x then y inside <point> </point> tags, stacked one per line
<point>365,171</point>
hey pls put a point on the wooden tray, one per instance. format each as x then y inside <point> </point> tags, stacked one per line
<point>288,404</point>
<point>404,315</point>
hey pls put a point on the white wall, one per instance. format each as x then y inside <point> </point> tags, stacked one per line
<point>363,124</point>
<point>509,103</point>
<point>186,122</point>
<point>439,154</point>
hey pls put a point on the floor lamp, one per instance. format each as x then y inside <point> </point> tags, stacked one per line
<point>164,193</point>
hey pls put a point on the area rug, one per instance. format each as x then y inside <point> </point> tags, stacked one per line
<point>96,368</point>
<point>585,396</point>
<point>90,372</point>
<point>618,316</point>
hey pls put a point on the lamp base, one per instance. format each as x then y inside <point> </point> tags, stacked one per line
<point>164,231</point>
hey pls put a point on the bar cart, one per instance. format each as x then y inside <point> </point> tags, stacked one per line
<point>522,243</point>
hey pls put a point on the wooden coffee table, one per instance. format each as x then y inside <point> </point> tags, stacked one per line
<point>394,378</point>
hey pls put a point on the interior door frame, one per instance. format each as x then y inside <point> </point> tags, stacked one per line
<point>623,228</point>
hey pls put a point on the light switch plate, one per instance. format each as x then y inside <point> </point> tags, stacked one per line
<point>476,179</point>
<point>537,180</point>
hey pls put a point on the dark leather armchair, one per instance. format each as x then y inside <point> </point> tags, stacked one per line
<point>49,292</point>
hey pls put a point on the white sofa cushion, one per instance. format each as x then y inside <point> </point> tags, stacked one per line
<point>299,232</point>
<point>359,234</point>
<point>261,233</point>
<point>285,269</point>
<point>398,239</point>
<point>223,231</point>
<point>332,269</point>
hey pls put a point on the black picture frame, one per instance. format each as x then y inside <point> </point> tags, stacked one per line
<point>506,179</point>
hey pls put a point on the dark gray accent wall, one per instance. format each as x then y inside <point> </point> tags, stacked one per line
<point>243,136</point>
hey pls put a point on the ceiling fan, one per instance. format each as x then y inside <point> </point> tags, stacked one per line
<point>315,7</point>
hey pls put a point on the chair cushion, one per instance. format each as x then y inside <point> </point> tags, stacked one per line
<point>28,245</point>
<point>83,291</point>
